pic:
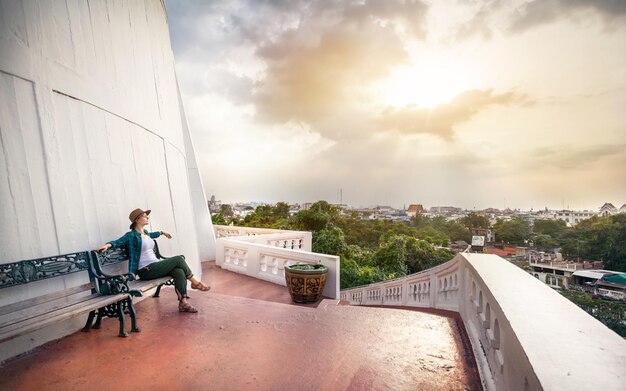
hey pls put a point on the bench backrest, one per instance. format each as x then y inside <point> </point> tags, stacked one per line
<point>23,272</point>
<point>115,260</point>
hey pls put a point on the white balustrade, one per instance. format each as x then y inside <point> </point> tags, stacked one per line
<point>224,231</point>
<point>295,240</point>
<point>525,336</point>
<point>264,253</point>
<point>616,295</point>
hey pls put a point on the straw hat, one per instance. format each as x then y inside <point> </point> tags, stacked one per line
<point>134,215</point>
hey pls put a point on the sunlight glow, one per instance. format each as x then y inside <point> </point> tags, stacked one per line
<point>422,85</point>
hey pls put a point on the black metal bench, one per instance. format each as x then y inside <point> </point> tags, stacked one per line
<point>112,264</point>
<point>28,315</point>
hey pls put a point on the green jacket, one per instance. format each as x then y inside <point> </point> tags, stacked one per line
<point>132,241</point>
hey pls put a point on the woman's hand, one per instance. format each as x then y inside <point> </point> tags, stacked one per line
<point>167,235</point>
<point>105,247</point>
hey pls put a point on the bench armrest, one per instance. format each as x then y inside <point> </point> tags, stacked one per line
<point>112,285</point>
<point>108,284</point>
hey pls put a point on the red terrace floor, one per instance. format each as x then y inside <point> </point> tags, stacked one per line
<point>239,343</point>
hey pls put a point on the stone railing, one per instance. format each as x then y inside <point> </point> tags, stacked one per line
<point>222,231</point>
<point>264,253</point>
<point>614,295</point>
<point>295,240</point>
<point>525,336</point>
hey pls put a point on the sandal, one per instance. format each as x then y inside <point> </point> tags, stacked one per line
<point>200,286</point>
<point>186,307</point>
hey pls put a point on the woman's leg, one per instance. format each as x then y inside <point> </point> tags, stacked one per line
<point>164,267</point>
<point>180,282</point>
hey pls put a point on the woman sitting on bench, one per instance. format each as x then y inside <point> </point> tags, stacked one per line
<point>144,263</point>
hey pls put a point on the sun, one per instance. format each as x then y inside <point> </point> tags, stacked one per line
<point>423,85</point>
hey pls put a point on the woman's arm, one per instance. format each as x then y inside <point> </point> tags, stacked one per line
<point>104,247</point>
<point>155,235</point>
<point>115,243</point>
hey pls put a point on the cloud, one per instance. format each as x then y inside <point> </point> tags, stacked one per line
<point>292,100</point>
<point>307,83</point>
<point>408,15</point>
<point>477,25</point>
<point>569,158</point>
<point>313,69</point>
<point>442,120</point>
<point>517,17</point>
<point>539,12</point>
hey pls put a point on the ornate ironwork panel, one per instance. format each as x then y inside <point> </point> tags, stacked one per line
<point>110,311</point>
<point>113,285</point>
<point>113,256</point>
<point>22,272</point>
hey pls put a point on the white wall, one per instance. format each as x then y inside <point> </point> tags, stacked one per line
<point>524,334</point>
<point>91,127</point>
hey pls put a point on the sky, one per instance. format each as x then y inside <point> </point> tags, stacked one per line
<point>474,104</point>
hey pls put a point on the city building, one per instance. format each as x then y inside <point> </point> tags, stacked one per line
<point>572,218</point>
<point>611,286</point>
<point>554,272</point>
<point>606,284</point>
<point>608,209</point>
<point>445,210</point>
<point>489,235</point>
<point>414,209</point>
<point>587,278</point>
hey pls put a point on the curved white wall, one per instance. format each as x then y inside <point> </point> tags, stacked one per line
<point>91,127</point>
<point>525,336</point>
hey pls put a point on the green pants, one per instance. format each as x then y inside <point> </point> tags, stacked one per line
<point>175,267</point>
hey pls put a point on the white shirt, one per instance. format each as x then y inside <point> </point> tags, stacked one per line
<point>147,255</point>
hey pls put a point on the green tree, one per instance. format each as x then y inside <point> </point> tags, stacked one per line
<point>316,218</point>
<point>363,233</point>
<point>309,220</point>
<point>419,220</point>
<point>267,216</point>
<point>513,231</point>
<point>218,219</point>
<point>262,217</point>
<point>226,210</point>
<point>474,221</point>
<point>598,238</point>
<point>433,236</point>
<point>554,228</point>
<point>544,241</point>
<point>330,241</point>
<point>325,207</point>
<point>281,210</point>
<point>352,274</point>
<point>391,256</point>
<point>224,215</point>
<point>421,255</point>
<point>457,231</point>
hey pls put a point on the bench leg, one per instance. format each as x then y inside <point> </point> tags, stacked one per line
<point>120,315</point>
<point>158,291</point>
<point>89,321</point>
<point>133,316</point>
<point>98,319</point>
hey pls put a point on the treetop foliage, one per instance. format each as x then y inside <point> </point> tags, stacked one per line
<point>373,250</point>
